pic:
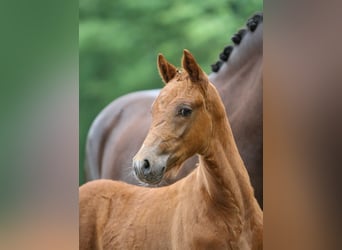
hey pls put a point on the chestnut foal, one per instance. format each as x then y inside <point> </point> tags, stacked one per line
<point>212,208</point>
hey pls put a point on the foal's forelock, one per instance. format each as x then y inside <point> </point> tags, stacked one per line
<point>179,89</point>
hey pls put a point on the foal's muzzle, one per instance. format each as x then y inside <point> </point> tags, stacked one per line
<point>146,171</point>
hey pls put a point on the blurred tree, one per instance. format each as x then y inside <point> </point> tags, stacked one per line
<point>119,42</point>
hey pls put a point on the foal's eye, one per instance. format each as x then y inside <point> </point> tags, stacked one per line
<point>184,111</point>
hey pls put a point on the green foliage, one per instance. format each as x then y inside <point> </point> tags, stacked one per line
<point>119,42</point>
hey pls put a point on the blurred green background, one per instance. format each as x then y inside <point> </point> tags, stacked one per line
<point>119,41</point>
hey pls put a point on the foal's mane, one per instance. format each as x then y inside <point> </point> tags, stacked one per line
<point>238,39</point>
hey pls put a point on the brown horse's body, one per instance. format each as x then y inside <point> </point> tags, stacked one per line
<point>212,208</point>
<point>119,130</point>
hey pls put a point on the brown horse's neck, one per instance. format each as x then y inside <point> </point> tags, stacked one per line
<point>223,174</point>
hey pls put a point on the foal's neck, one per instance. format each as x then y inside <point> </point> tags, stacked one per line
<point>223,174</point>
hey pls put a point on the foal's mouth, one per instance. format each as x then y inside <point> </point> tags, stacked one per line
<point>155,180</point>
<point>150,179</point>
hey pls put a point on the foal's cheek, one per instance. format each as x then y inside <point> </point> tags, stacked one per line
<point>179,127</point>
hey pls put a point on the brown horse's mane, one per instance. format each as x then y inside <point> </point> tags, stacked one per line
<point>252,24</point>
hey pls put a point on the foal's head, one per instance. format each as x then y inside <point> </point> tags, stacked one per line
<point>182,120</point>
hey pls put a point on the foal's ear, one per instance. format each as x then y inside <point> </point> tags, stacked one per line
<point>190,65</point>
<point>166,70</point>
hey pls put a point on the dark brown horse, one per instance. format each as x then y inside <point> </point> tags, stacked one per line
<point>211,208</point>
<point>119,130</point>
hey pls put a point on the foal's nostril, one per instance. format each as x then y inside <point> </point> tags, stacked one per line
<point>146,167</point>
<point>146,164</point>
